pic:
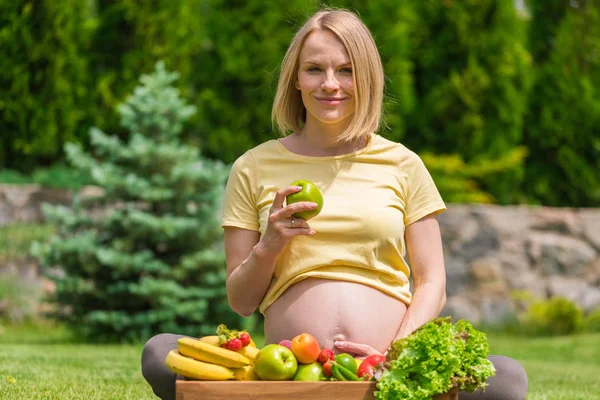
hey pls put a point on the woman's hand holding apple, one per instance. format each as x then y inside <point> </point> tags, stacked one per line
<point>280,228</point>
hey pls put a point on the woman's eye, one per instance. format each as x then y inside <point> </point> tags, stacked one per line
<point>314,69</point>
<point>346,70</point>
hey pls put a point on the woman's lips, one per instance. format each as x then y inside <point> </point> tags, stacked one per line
<point>330,101</point>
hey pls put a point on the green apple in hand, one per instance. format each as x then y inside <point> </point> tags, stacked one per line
<point>275,363</point>
<point>309,192</point>
<point>309,372</point>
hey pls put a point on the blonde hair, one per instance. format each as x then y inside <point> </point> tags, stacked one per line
<point>289,113</point>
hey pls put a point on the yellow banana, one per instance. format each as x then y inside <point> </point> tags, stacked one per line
<point>195,369</point>
<point>211,354</point>
<point>249,352</point>
<point>246,373</point>
<point>215,341</point>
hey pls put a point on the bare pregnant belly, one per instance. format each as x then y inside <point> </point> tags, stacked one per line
<point>335,310</point>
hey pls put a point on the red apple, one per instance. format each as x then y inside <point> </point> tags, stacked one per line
<point>286,343</point>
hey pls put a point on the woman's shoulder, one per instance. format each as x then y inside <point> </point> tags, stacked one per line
<point>389,148</point>
<point>257,152</point>
<point>265,147</point>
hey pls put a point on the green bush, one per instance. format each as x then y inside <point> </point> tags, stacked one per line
<point>18,299</point>
<point>129,37</point>
<point>469,80</point>
<point>59,176</point>
<point>562,127</point>
<point>154,262</point>
<point>459,182</point>
<point>591,322</point>
<point>16,238</point>
<point>471,75</point>
<point>243,45</point>
<point>43,80</point>
<point>556,316</point>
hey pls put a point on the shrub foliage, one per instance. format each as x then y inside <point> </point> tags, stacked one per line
<point>472,80</point>
<point>150,259</point>
<point>563,121</point>
<point>43,80</point>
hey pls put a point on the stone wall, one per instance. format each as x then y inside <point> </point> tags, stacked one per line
<point>490,251</point>
<point>22,203</point>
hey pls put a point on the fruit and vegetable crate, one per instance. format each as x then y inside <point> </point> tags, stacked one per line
<point>437,356</point>
<point>287,390</point>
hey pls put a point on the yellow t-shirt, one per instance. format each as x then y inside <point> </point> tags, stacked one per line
<point>370,196</point>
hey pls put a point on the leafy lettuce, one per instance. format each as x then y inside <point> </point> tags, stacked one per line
<point>432,360</point>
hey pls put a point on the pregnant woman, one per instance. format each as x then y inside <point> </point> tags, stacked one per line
<point>342,276</point>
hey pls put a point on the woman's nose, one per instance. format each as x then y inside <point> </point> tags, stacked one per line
<point>330,82</point>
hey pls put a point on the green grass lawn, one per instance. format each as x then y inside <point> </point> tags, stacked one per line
<point>43,363</point>
<point>559,368</point>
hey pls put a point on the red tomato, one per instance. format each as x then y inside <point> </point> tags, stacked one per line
<point>324,355</point>
<point>327,368</point>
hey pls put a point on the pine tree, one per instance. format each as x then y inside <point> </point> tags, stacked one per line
<point>145,256</point>
<point>562,128</point>
<point>471,77</point>
<point>44,87</point>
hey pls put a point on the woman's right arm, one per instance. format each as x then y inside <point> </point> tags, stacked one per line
<point>249,270</point>
<point>251,258</point>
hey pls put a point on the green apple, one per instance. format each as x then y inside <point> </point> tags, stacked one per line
<point>275,363</point>
<point>310,372</point>
<point>309,192</point>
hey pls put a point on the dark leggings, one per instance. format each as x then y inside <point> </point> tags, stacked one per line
<point>509,383</point>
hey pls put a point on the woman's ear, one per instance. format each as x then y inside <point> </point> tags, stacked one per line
<point>297,84</point>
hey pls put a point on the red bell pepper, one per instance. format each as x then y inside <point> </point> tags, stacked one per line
<point>368,365</point>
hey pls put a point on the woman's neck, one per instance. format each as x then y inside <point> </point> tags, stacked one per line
<point>320,140</point>
<point>314,145</point>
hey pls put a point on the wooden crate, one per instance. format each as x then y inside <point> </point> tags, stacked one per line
<point>285,390</point>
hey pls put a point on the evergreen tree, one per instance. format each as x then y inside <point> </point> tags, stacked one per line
<point>152,261</point>
<point>470,69</point>
<point>130,36</point>
<point>44,95</point>
<point>244,46</point>
<point>562,128</point>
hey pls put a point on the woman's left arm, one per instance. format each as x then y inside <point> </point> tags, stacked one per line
<point>424,245</point>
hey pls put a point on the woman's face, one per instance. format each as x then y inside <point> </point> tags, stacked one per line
<point>325,79</point>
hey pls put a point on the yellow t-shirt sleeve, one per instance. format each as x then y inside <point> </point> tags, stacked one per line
<point>239,202</point>
<point>422,196</point>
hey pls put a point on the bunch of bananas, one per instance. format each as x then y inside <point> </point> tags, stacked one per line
<point>204,359</point>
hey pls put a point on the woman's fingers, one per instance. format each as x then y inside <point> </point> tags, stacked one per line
<point>281,218</point>
<point>282,226</point>
<point>358,349</point>
<point>281,194</point>
<point>298,226</point>
<point>291,209</point>
<point>285,214</point>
